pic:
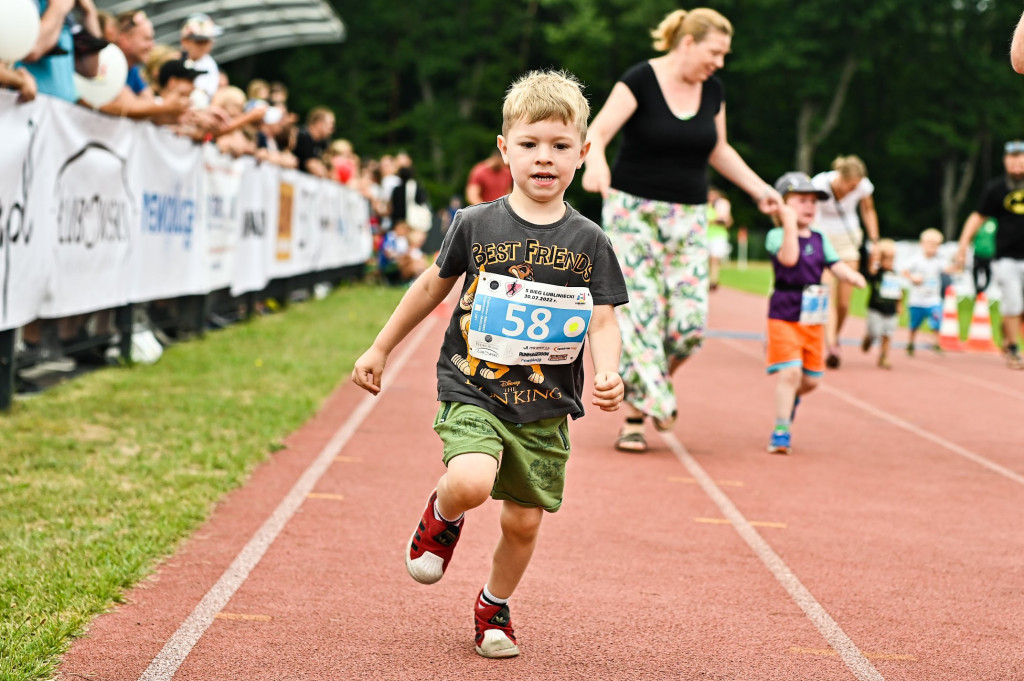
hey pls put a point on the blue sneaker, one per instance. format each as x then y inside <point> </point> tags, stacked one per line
<point>792,414</point>
<point>779,443</point>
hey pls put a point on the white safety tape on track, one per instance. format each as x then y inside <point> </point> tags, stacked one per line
<point>830,630</point>
<point>177,648</point>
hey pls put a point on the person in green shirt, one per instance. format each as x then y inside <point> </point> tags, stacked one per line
<point>984,245</point>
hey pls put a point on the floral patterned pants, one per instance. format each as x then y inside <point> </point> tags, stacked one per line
<point>662,249</point>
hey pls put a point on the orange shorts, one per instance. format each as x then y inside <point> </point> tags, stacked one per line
<point>792,344</point>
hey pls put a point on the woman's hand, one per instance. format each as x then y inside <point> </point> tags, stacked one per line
<point>769,201</point>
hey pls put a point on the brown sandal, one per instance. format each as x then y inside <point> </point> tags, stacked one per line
<point>632,439</point>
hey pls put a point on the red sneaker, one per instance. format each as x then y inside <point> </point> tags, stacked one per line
<point>494,635</point>
<point>431,545</point>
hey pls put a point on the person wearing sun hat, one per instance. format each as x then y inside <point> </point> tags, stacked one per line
<point>197,35</point>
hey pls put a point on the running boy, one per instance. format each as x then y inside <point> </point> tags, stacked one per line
<point>885,294</point>
<point>798,308</point>
<point>511,367</point>
<point>924,272</point>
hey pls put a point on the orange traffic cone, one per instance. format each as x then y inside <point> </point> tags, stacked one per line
<point>979,338</point>
<point>949,329</point>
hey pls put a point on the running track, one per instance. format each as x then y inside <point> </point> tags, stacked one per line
<point>889,545</point>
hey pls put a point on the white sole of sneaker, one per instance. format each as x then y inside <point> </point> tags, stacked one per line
<point>427,569</point>
<point>778,450</point>
<point>497,645</point>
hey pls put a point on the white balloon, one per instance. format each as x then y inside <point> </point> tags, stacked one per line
<point>19,28</point>
<point>109,80</point>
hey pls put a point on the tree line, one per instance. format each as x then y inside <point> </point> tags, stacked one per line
<point>922,90</point>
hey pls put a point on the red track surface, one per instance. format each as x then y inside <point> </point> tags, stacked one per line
<point>893,532</point>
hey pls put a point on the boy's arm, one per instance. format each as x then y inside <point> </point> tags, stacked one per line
<point>423,296</point>
<point>789,251</point>
<point>846,273</point>
<point>605,346</point>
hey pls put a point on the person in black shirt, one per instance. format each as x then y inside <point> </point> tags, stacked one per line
<point>1003,199</point>
<point>885,293</point>
<point>671,111</point>
<point>313,140</point>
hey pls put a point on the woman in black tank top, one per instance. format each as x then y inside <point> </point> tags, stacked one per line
<point>671,112</point>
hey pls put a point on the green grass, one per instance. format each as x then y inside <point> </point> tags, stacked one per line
<point>757,278</point>
<point>103,476</point>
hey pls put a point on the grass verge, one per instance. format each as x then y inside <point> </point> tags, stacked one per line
<point>103,476</point>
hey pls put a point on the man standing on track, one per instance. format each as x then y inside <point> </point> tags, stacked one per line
<point>1003,199</point>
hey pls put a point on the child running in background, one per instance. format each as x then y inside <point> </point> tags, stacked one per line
<point>798,307</point>
<point>504,425</point>
<point>885,293</point>
<point>924,271</point>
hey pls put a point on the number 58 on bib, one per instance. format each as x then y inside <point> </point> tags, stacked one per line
<point>525,322</point>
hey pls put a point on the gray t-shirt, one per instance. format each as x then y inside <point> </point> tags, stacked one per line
<point>571,252</point>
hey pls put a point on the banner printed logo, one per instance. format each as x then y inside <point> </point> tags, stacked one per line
<point>13,227</point>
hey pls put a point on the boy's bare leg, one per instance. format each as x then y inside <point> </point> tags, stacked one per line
<point>788,381</point>
<point>466,484</point>
<point>883,358</point>
<point>519,528</point>
<point>807,384</point>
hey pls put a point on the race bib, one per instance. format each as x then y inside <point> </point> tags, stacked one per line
<point>527,322</point>
<point>814,305</point>
<point>931,289</point>
<point>891,287</point>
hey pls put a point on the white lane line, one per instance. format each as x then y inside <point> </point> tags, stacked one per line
<point>926,435</point>
<point>907,426</point>
<point>980,382</point>
<point>830,630</point>
<point>177,648</point>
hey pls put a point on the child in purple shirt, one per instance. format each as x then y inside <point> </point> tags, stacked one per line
<point>798,308</point>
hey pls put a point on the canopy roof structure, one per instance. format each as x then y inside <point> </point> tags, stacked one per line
<point>250,26</point>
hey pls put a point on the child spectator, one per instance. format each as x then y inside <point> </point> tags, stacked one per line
<point>798,308</point>
<point>885,293</point>
<point>197,35</point>
<point>512,449</point>
<point>924,271</point>
<point>401,259</point>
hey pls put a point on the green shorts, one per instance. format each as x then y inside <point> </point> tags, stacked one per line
<point>531,456</point>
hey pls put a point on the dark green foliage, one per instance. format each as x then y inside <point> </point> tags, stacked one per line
<point>932,85</point>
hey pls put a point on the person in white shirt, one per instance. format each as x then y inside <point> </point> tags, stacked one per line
<point>197,35</point>
<point>844,217</point>
<point>924,271</point>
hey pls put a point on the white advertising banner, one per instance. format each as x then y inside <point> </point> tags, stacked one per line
<point>256,246</point>
<point>298,224</point>
<point>169,247</point>
<point>86,199</point>
<point>25,250</point>
<point>219,213</point>
<point>98,211</point>
<point>358,237</point>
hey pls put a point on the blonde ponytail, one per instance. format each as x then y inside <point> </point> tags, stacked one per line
<point>697,23</point>
<point>850,167</point>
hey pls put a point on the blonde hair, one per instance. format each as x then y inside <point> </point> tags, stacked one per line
<point>254,87</point>
<point>932,234</point>
<point>228,96</point>
<point>886,247</point>
<point>542,95</point>
<point>850,167</point>
<point>158,56</point>
<point>697,23</point>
